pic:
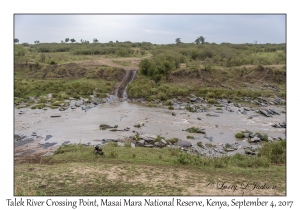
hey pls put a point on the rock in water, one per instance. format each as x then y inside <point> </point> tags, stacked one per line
<point>265,113</point>
<point>255,139</point>
<point>148,137</point>
<point>182,143</point>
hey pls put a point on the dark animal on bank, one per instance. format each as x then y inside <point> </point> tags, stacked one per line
<point>98,150</point>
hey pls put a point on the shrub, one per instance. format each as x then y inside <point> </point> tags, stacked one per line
<point>183,159</point>
<point>171,107</point>
<point>264,137</point>
<point>199,144</point>
<point>274,151</point>
<point>172,141</point>
<point>209,145</point>
<point>239,135</point>
<point>211,101</point>
<point>195,130</point>
<point>190,137</point>
<point>113,154</point>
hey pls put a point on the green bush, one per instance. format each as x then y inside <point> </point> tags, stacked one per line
<point>113,154</point>
<point>172,141</point>
<point>274,151</point>
<point>199,144</point>
<point>211,101</point>
<point>195,130</point>
<point>239,135</point>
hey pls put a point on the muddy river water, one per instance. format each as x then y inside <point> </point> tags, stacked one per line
<point>79,126</point>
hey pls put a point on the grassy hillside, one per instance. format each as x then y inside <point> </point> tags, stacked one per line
<point>209,70</point>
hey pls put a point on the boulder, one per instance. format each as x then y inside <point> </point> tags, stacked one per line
<point>228,149</point>
<point>163,141</point>
<point>182,143</point>
<point>48,154</point>
<point>140,143</point>
<point>193,99</point>
<point>255,139</point>
<point>65,143</point>
<point>149,145</point>
<point>148,137</point>
<point>31,99</point>
<point>249,152</point>
<point>78,103</point>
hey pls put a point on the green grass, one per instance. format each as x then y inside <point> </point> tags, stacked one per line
<point>195,130</point>
<point>61,88</point>
<point>122,63</point>
<point>76,170</point>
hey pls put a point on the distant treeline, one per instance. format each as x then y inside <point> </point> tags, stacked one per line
<point>119,48</point>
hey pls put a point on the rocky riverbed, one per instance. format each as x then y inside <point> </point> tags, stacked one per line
<point>135,121</point>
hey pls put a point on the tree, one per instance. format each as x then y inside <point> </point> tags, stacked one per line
<point>84,41</point>
<point>95,40</point>
<point>73,40</point>
<point>178,41</point>
<point>67,40</point>
<point>200,39</point>
<point>16,40</point>
<point>36,42</point>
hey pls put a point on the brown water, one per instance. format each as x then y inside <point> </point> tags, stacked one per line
<point>78,126</point>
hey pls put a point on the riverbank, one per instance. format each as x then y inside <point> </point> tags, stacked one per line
<point>76,170</point>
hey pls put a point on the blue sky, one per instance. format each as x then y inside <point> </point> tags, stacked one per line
<point>158,29</point>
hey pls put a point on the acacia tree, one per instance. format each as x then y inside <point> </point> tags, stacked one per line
<point>95,40</point>
<point>200,39</point>
<point>67,40</point>
<point>36,42</point>
<point>178,41</point>
<point>73,40</point>
<point>16,40</point>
